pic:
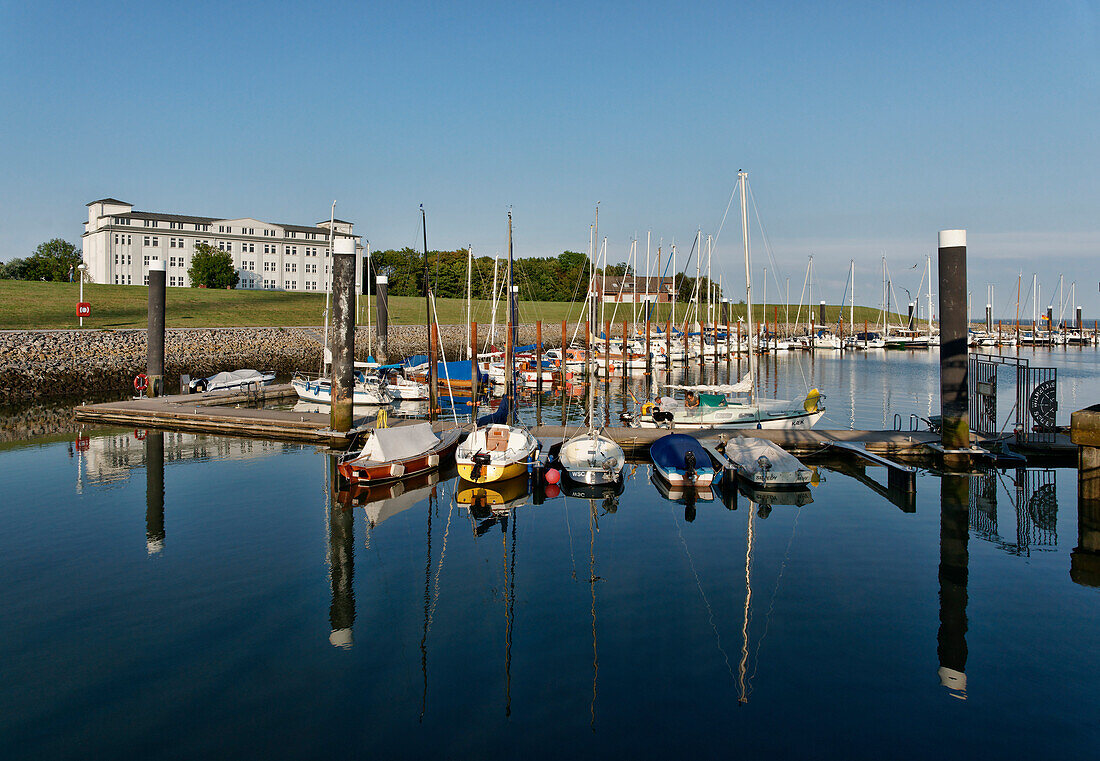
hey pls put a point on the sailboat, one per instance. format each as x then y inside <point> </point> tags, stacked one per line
<point>498,450</point>
<point>591,457</point>
<point>717,405</point>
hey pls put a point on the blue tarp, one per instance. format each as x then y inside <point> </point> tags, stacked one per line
<point>668,452</point>
<point>459,370</point>
<point>500,415</point>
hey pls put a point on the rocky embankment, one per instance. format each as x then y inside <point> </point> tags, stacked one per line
<point>69,364</point>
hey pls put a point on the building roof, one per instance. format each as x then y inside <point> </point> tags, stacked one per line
<point>609,283</point>
<point>109,200</point>
<point>167,217</point>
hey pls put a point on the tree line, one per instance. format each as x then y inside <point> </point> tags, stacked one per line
<point>54,260</point>
<point>552,278</point>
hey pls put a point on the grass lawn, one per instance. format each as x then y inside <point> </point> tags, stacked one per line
<point>40,305</point>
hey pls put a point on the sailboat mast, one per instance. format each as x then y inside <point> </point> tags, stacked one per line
<point>929,291</point>
<point>366,277</point>
<point>508,379</point>
<point>469,300</point>
<point>741,176</point>
<point>432,390</point>
<point>852,303</point>
<point>710,287</point>
<point>648,236</point>
<point>698,276</point>
<point>493,296</point>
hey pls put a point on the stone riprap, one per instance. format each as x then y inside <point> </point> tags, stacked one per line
<point>60,364</point>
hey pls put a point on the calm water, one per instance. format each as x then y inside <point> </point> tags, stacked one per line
<point>184,596</point>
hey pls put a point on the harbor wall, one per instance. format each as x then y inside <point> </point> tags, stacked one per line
<point>66,364</point>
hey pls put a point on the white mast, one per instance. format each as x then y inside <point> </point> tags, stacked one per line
<point>648,235</point>
<point>852,303</point>
<point>764,300</point>
<point>366,276</point>
<point>710,316</point>
<point>493,318</point>
<point>741,176</point>
<point>469,299</point>
<point>675,292</point>
<point>698,275</point>
<point>634,286</point>
<point>929,297</point>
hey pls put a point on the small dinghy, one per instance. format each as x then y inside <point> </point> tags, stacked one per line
<point>760,462</point>
<point>235,379</point>
<point>682,460</point>
<point>592,458</point>
<point>402,452</point>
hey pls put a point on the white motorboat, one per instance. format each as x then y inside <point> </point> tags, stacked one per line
<point>366,390</point>
<point>231,381</point>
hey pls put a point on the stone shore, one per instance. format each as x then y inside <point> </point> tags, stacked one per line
<point>68,364</point>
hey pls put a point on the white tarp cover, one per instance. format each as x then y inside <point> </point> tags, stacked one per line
<point>236,376</point>
<point>746,452</point>
<point>389,444</point>
<point>743,386</point>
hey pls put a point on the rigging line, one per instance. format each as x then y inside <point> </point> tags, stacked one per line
<point>699,586</point>
<point>764,237</point>
<point>775,590</point>
<point>722,224</point>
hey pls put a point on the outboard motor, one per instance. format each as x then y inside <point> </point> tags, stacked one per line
<point>481,460</point>
<point>689,466</point>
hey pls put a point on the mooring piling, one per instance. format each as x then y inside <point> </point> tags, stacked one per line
<point>382,331</point>
<point>953,576</point>
<point>343,318</point>
<point>154,358</point>
<point>954,392</point>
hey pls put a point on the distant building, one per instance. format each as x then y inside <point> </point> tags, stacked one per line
<point>630,289</point>
<point>119,243</point>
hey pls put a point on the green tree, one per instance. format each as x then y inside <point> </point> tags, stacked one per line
<point>16,269</point>
<point>212,267</point>
<point>52,260</point>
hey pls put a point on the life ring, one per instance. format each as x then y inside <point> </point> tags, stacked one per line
<point>647,408</point>
<point>141,381</point>
<point>139,434</point>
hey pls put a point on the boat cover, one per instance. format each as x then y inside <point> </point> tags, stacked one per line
<point>668,452</point>
<point>742,386</point>
<point>389,444</point>
<point>499,415</point>
<point>235,376</point>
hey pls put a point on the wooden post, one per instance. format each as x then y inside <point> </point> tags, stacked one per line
<point>954,360</point>
<point>343,335</point>
<point>474,372</point>
<point>716,347</point>
<point>564,341</point>
<point>154,336</point>
<point>538,353</point>
<point>865,336</point>
<point>726,312</point>
<point>626,353</point>
<point>607,351</point>
<point>648,355</point>
<point>668,345</point>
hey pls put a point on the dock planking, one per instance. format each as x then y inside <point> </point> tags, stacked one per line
<point>237,414</point>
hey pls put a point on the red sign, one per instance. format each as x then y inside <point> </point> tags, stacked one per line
<point>82,443</point>
<point>83,309</point>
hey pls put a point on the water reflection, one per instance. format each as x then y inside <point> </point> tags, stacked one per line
<point>1032,495</point>
<point>154,492</point>
<point>953,576</point>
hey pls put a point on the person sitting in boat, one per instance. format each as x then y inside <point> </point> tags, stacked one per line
<point>691,400</point>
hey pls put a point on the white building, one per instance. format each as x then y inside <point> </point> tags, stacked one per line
<point>119,243</point>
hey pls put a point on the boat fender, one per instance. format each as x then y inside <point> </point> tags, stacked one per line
<point>812,399</point>
<point>141,381</point>
<point>647,408</point>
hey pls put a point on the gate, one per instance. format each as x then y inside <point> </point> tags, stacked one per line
<point>1035,405</point>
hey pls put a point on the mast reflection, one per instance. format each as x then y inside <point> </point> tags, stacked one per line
<point>953,576</point>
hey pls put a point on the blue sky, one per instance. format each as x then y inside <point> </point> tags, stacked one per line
<point>865,127</point>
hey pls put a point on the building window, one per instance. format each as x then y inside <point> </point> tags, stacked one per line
<point>156,241</point>
<point>248,248</point>
<point>269,284</point>
<point>291,267</point>
<point>146,281</point>
<point>291,286</point>
<point>290,250</point>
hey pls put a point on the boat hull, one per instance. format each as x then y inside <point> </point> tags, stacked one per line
<point>804,421</point>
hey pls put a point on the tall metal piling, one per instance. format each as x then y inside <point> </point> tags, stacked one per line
<point>954,392</point>
<point>988,318</point>
<point>154,358</point>
<point>1085,557</point>
<point>382,331</point>
<point>343,344</point>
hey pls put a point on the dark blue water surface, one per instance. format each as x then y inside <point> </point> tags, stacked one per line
<point>223,604</point>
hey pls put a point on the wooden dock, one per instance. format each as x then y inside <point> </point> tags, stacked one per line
<point>241,414</point>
